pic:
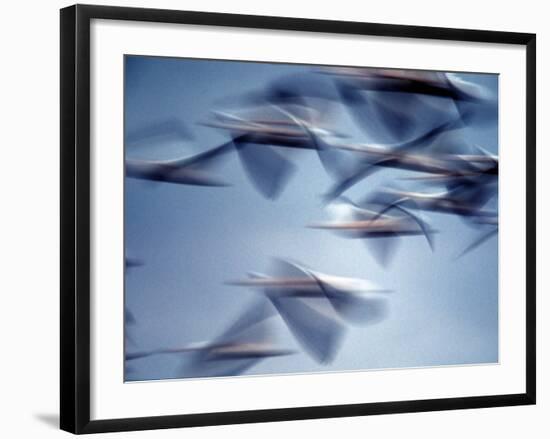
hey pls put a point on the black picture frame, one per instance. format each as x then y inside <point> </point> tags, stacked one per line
<point>75,217</point>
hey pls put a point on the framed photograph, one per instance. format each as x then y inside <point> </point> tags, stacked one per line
<point>267,219</point>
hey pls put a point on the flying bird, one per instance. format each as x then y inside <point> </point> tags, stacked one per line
<point>317,306</point>
<point>389,99</point>
<point>466,200</point>
<point>381,233</point>
<point>492,223</point>
<point>247,341</point>
<point>259,140</point>
<point>194,170</point>
<point>443,161</point>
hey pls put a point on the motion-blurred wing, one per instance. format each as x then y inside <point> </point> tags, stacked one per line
<point>296,88</point>
<point>338,163</point>
<point>266,168</point>
<point>352,305</point>
<point>346,183</point>
<point>450,142</point>
<point>319,333</point>
<point>478,112</point>
<point>250,326</point>
<point>383,248</point>
<point>373,116</point>
<point>389,202</point>
<point>478,242</point>
<point>365,168</point>
<point>423,140</point>
<point>473,193</point>
<point>206,158</point>
<point>179,170</point>
<point>282,268</point>
<point>419,221</point>
<point>355,308</point>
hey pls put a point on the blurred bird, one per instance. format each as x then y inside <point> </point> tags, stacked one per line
<point>381,233</point>
<point>406,157</point>
<point>306,90</point>
<point>466,199</point>
<point>194,170</point>
<point>316,306</point>
<point>411,81</point>
<point>492,223</point>
<point>390,99</point>
<point>245,343</point>
<point>257,139</point>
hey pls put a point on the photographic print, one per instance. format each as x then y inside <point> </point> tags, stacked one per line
<point>287,218</point>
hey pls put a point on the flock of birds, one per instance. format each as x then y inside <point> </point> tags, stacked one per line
<point>421,116</point>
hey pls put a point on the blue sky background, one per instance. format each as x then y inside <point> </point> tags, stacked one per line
<point>193,239</point>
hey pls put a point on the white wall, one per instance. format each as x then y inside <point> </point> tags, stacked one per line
<point>29,218</point>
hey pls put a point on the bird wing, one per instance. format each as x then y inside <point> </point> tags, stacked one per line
<point>265,167</point>
<point>319,333</point>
